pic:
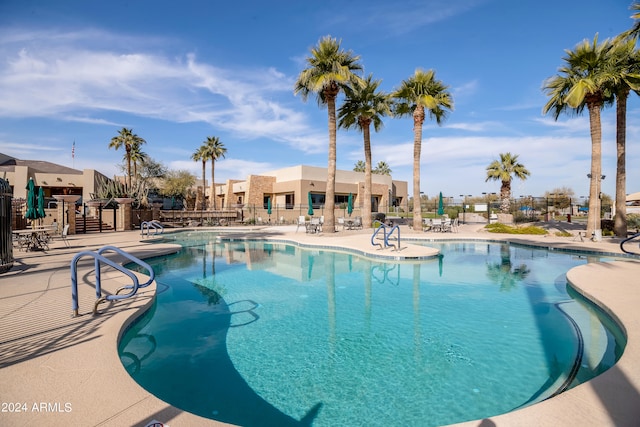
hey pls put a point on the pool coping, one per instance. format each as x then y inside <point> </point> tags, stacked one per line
<point>74,373</point>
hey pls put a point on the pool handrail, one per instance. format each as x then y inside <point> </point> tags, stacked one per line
<point>375,233</point>
<point>628,239</point>
<point>98,259</point>
<point>148,225</point>
<point>386,236</point>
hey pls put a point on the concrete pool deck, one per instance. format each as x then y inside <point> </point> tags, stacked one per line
<point>60,371</point>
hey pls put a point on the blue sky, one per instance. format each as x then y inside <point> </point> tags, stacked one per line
<point>177,72</point>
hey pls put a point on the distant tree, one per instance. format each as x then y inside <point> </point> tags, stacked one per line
<point>504,170</point>
<point>359,166</point>
<point>177,184</point>
<point>382,168</point>
<point>138,157</point>
<point>330,69</point>
<point>365,106</point>
<point>127,139</point>
<point>416,94</point>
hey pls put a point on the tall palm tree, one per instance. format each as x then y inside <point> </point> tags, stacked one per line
<point>364,106</point>
<point>634,31</point>
<point>201,155</point>
<point>138,157</point>
<point>624,78</point>
<point>581,84</point>
<point>127,139</point>
<point>504,170</point>
<point>329,70</point>
<point>214,150</point>
<point>418,93</point>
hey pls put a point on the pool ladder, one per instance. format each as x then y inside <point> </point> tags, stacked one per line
<point>100,259</point>
<point>627,240</point>
<point>157,227</point>
<point>386,236</point>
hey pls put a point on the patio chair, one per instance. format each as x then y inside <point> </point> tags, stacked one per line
<point>426,224</point>
<point>341,222</point>
<point>357,224</point>
<point>301,222</point>
<point>313,226</point>
<point>436,224</point>
<point>64,234</point>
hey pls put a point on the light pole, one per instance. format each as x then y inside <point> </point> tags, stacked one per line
<point>464,207</point>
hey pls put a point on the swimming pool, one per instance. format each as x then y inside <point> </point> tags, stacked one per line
<point>265,333</point>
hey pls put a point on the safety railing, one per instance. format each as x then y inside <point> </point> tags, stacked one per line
<point>386,235</point>
<point>147,226</point>
<point>627,240</point>
<point>100,259</point>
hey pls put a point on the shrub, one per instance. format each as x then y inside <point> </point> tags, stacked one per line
<point>503,228</point>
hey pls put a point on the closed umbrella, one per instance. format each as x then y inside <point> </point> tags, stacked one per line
<point>350,204</point>
<point>269,208</point>
<point>32,201</point>
<point>310,211</point>
<point>40,211</point>
<point>440,205</point>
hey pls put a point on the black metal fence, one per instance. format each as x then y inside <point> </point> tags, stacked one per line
<point>6,241</point>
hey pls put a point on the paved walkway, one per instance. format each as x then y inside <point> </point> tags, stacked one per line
<point>56,370</point>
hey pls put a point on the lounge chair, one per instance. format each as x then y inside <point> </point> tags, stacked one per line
<point>64,234</point>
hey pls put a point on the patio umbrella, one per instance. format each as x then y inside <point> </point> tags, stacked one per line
<point>440,205</point>
<point>310,211</point>
<point>269,208</point>
<point>350,204</point>
<point>40,211</point>
<point>31,201</point>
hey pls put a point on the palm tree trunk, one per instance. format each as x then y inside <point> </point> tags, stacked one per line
<point>620,220</point>
<point>366,203</point>
<point>329,202</point>
<point>505,196</point>
<point>593,218</point>
<point>213,186</point>
<point>128,150</point>
<point>418,119</point>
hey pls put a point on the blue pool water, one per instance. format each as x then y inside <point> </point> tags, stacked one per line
<point>261,334</point>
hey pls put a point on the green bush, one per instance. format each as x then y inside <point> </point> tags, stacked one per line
<point>503,228</point>
<point>633,221</point>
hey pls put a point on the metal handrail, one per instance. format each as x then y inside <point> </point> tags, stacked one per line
<point>375,233</point>
<point>98,259</point>
<point>628,239</point>
<point>387,235</point>
<point>148,225</point>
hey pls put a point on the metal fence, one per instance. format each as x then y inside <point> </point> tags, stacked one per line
<point>6,236</point>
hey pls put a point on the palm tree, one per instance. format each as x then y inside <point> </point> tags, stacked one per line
<point>138,157</point>
<point>419,92</point>
<point>213,149</point>
<point>362,107</point>
<point>127,139</point>
<point>625,66</point>
<point>359,166</point>
<point>329,70</point>
<point>581,83</point>
<point>634,31</point>
<point>504,170</point>
<point>201,155</point>
<point>382,168</point>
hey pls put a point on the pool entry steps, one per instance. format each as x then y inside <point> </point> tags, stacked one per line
<point>386,236</point>
<point>100,259</point>
<point>627,240</point>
